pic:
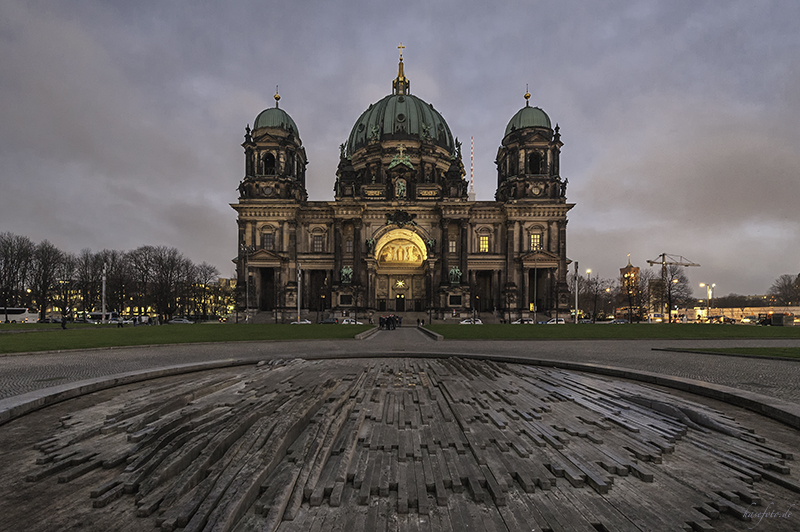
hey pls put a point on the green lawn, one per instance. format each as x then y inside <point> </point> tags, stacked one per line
<point>596,331</point>
<point>76,337</point>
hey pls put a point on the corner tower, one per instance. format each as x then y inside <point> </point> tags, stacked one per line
<point>275,160</point>
<point>533,195</point>
<point>528,159</point>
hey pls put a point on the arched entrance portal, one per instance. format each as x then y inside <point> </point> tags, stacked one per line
<point>400,276</point>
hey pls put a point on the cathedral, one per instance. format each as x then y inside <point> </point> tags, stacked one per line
<point>402,234</point>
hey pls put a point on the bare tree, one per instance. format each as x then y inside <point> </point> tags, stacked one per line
<point>16,253</point>
<point>206,275</point>
<point>169,267</point>
<point>677,287</point>
<point>65,275</point>
<point>88,278</point>
<point>141,261</point>
<point>119,279</point>
<point>44,274</point>
<point>785,290</point>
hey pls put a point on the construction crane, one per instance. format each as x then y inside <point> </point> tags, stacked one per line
<point>665,260</point>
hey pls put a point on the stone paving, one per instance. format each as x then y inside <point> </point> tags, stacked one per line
<point>776,378</point>
<point>388,441</point>
<point>394,444</point>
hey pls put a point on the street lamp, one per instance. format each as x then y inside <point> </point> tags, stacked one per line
<point>589,287</point>
<point>669,300</point>
<point>709,295</point>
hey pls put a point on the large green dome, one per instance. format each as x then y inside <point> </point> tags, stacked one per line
<point>528,117</point>
<point>400,116</point>
<point>276,117</point>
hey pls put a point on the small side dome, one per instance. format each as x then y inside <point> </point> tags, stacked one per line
<point>276,117</point>
<point>528,117</point>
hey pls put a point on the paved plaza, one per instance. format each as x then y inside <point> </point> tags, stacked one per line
<point>776,378</point>
<point>375,435</point>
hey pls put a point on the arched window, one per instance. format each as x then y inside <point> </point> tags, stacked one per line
<point>268,164</point>
<point>535,163</point>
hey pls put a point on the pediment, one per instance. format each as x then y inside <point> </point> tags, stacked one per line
<point>264,256</point>
<point>540,257</point>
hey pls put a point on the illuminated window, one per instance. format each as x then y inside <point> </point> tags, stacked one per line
<point>483,244</point>
<point>536,241</point>
<point>452,246</point>
<point>318,244</point>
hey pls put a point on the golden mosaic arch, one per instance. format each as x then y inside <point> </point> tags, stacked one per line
<point>401,247</point>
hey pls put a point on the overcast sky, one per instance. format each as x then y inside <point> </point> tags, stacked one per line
<point>121,122</point>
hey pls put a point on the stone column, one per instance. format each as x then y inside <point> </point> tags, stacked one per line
<point>525,295</point>
<point>463,250</point>
<point>357,243</point>
<point>562,251</point>
<point>496,303</point>
<point>445,251</point>
<point>371,302</point>
<point>509,252</point>
<point>337,252</point>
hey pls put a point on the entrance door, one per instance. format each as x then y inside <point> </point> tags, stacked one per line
<point>268,289</point>
<point>483,291</point>
<point>400,303</point>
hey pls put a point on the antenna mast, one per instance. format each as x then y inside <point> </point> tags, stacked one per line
<point>471,174</point>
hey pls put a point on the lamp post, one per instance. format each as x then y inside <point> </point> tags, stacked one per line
<point>669,300</point>
<point>103,318</point>
<point>299,280</point>
<point>709,295</point>
<point>535,286</point>
<point>589,286</point>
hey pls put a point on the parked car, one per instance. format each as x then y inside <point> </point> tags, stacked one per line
<point>301,322</point>
<point>471,321</point>
<point>750,319</point>
<point>720,319</point>
<point>176,321</point>
<point>556,321</point>
<point>618,321</point>
<point>522,321</point>
<point>329,321</point>
<point>351,321</point>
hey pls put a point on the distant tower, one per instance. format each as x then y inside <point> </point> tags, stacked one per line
<point>471,195</point>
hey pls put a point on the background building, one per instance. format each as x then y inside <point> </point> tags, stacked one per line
<point>401,234</point>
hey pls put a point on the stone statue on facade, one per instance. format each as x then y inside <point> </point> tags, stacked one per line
<point>455,275</point>
<point>347,275</point>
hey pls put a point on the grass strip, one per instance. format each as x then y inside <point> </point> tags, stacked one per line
<point>782,352</point>
<point>598,331</point>
<point>94,337</point>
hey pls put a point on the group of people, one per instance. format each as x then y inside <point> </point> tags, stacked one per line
<point>390,322</point>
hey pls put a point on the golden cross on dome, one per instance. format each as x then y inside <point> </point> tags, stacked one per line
<point>401,47</point>
<point>400,149</point>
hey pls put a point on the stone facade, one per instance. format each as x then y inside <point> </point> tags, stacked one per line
<point>401,234</point>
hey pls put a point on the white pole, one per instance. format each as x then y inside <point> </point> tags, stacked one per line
<point>103,316</point>
<point>299,281</point>
<point>576,292</point>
